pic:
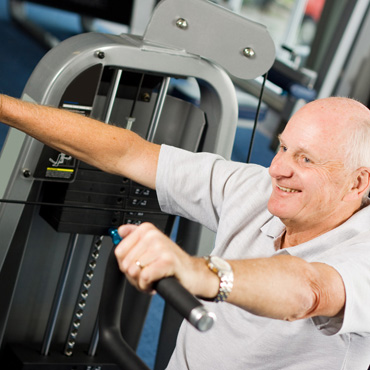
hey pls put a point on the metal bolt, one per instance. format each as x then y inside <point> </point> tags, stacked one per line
<point>145,97</point>
<point>182,23</point>
<point>26,173</point>
<point>249,52</point>
<point>100,54</point>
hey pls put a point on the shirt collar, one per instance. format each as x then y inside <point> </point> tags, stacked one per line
<point>273,228</point>
<point>354,226</point>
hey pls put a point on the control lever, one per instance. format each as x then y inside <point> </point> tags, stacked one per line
<point>179,298</point>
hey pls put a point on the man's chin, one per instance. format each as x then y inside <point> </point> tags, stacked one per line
<point>274,208</point>
<point>277,211</point>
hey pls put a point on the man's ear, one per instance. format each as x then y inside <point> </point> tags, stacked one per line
<point>360,184</point>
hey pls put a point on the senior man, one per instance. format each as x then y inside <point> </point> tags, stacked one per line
<point>295,273</point>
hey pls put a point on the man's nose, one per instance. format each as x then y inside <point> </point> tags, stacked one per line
<point>281,166</point>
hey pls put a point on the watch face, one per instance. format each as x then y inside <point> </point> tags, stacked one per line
<point>220,264</point>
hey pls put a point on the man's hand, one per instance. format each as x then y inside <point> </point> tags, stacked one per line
<point>146,255</point>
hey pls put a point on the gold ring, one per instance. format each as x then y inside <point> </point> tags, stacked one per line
<point>139,264</point>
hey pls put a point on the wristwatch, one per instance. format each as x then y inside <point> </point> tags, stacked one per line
<point>224,271</point>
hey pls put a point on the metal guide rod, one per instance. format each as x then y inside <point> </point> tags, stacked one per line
<point>158,109</point>
<point>59,293</point>
<point>129,122</point>
<point>94,339</point>
<point>112,94</point>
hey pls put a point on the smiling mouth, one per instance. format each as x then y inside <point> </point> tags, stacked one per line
<point>287,190</point>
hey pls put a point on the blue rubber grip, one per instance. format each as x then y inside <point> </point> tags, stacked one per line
<point>116,238</point>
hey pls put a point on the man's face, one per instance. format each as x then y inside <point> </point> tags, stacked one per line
<point>308,176</point>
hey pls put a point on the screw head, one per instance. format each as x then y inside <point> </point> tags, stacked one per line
<point>249,52</point>
<point>26,173</point>
<point>182,23</point>
<point>100,54</point>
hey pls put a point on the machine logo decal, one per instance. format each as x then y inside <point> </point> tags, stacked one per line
<point>62,158</point>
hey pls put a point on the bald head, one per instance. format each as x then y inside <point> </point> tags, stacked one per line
<point>345,122</point>
<point>337,112</point>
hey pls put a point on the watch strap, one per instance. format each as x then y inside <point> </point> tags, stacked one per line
<point>226,277</point>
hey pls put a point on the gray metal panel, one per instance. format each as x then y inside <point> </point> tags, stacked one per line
<point>219,35</point>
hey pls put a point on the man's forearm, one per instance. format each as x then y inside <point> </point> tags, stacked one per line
<point>109,148</point>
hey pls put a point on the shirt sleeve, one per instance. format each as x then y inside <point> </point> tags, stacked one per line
<point>195,185</point>
<point>183,185</point>
<point>353,264</point>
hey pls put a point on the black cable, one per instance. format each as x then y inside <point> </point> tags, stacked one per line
<point>137,94</point>
<point>256,118</point>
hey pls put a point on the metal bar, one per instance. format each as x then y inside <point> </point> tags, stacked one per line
<point>18,14</point>
<point>344,49</point>
<point>158,109</point>
<point>295,21</point>
<point>59,294</point>
<point>112,94</point>
<point>94,339</point>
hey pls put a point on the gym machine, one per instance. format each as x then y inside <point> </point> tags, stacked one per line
<point>56,211</point>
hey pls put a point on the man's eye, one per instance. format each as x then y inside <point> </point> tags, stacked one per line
<point>306,160</point>
<point>284,148</point>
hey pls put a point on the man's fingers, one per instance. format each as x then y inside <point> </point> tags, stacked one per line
<point>136,240</point>
<point>127,229</point>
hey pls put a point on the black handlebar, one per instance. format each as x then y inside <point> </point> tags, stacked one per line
<point>179,298</point>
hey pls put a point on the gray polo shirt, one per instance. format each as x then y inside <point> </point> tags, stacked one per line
<point>232,198</point>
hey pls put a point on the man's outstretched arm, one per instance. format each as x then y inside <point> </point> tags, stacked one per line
<point>107,147</point>
<point>282,287</point>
